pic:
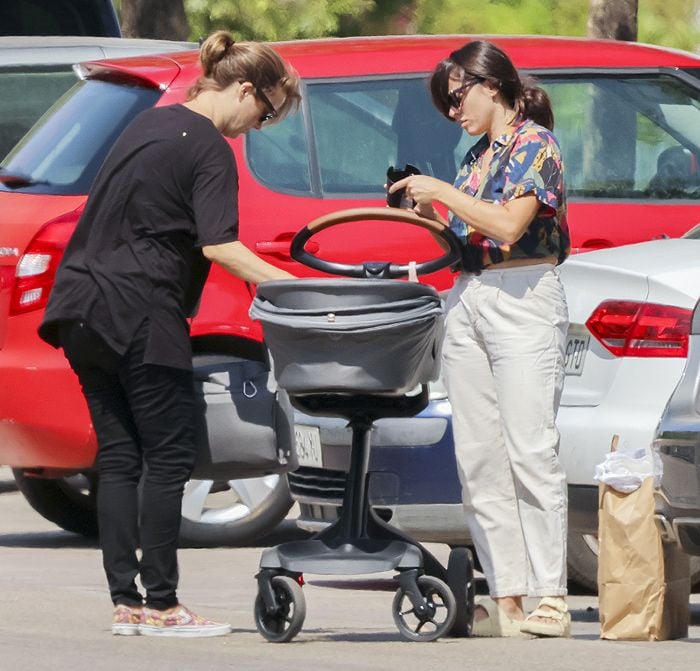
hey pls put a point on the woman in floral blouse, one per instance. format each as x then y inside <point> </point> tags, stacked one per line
<point>503,356</point>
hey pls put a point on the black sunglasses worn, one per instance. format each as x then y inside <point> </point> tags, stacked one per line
<point>272,113</point>
<point>456,95</point>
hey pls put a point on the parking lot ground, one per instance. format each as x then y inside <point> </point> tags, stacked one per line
<point>55,614</point>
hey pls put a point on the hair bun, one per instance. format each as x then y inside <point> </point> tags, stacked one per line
<point>214,49</point>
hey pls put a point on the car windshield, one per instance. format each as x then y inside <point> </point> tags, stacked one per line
<point>65,149</point>
<point>622,137</point>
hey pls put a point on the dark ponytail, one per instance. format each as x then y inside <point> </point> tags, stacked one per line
<point>533,103</point>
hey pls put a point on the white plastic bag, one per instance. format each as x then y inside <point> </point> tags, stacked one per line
<point>625,469</point>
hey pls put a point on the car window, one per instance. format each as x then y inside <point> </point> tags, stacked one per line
<point>628,137</point>
<point>78,131</point>
<point>58,17</point>
<point>25,94</point>
<point>279,157</point>
<point>693,233</point>
<point>622,137</point>
<point>358,129</point>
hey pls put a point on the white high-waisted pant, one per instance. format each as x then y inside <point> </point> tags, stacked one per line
<point>503,363</point>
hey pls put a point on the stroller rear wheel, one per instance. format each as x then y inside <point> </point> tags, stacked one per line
<point>460,578</point>
<point>439,615</point>
<point>285,622</point>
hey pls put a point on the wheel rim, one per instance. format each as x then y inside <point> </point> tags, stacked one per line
<point>591,540</point>
<point>441,611</point>
<point>213,502</point>
<point>79,488</point>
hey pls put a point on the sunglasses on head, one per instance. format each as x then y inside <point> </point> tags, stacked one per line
<point>456,95</point>
<point>272,112</point>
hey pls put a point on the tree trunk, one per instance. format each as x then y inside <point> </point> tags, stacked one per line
<point>613,19</point>
<point>159,19</point>
<point>609,129</point>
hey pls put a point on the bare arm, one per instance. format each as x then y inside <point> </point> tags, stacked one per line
<point>238,260</point>
<point>506,222</point>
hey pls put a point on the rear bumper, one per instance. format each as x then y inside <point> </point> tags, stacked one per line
<point>437,522</point>
<point>684,531</point>
<point>44,421</point>
<point>678,502</point>
<point>413,478</point>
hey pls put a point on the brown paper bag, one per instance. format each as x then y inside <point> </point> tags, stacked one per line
<point>630,564</point>
<point>643,585</point>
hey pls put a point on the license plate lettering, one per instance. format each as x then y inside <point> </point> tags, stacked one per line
<point>575,352</point>
<point>308,445</point>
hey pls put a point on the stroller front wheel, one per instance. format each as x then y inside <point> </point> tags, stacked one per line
<point>438,610</point>
<point>284,622</point>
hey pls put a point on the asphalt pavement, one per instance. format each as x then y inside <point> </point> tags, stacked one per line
<point>55,614</point>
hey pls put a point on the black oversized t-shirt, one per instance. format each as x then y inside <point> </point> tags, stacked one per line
<point>168,187</point>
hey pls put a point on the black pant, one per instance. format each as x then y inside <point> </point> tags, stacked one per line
<point>142,414</point>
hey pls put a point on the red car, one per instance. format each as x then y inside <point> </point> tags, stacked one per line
<point>626,116</point>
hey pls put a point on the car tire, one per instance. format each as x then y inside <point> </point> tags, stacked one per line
<point>583,562</point>
<point>70,504</point>
<point>233,513</point>
<point>67,502</point>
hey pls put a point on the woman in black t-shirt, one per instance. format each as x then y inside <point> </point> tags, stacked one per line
<point>163,207</point>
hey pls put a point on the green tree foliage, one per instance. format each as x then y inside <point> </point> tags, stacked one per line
<point>673,23</point>
<point>516,17</point>
<point>273,19</point>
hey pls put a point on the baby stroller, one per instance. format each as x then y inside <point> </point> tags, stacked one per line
<point>359,349</point>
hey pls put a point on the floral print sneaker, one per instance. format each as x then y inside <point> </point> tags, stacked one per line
<point>126,620</point>
<point>179,621</point>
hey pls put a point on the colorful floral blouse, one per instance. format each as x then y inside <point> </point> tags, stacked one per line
<point>527,161</point>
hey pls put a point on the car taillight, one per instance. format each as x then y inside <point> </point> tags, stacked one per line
<point>37,267</point>
<point>631,328</point>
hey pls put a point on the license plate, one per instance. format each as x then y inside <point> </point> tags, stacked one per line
<point>308,444</point>
<point>577,340</point>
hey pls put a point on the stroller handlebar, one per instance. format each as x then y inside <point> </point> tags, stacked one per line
<point>383,269</point>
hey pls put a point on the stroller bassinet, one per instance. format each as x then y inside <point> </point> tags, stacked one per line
<point>351,336</point>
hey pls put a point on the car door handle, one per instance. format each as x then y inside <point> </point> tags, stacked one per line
<point>595,243</point>
<point>280,247</point>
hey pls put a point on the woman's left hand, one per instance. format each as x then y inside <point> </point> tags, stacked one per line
<point>428,212</point>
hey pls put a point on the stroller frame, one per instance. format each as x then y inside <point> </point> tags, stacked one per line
<point>359,542</point>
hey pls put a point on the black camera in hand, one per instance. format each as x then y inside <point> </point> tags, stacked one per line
<point>398,198</point>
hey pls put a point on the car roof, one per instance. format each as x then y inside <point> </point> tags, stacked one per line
<point>59,50</point>
<point>343,57</point>
<point>525,51</point>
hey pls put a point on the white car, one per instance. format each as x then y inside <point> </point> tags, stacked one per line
<point>630,309</point>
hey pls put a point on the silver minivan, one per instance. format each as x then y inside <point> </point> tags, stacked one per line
<point>37,71</point>
<point>678,443</point>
